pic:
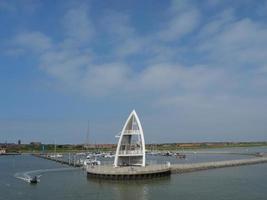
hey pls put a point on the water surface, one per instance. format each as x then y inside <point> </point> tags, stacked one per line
<point>244,182</point>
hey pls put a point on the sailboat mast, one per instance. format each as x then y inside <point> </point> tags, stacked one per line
<point>55,147</point>
<point>87,134</point>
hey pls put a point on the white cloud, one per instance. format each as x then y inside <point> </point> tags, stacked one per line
<point>180,25</point>
<point>174,78</point>
<point>65,65</point>
<point>117,25</point>
<point>239,42</point>
<point>183,18</point>
<point>216,24</point>
<point>131,46</point>
<point>78,26</point>
<point>33,41</point>
<point>106,79</point>
<point>222,39</point>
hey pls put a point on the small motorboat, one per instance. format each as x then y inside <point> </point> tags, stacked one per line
<point>29,179</point>
<point>33,180</point>
<point>180,156</point>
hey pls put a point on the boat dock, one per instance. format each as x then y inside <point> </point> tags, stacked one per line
<point>70,162</point>
<point>9,154</point>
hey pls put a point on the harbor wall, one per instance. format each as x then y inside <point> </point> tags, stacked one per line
<point>183,168</point>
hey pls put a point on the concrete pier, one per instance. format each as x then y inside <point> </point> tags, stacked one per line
<point>152,171</point>
<point>129,172</point>
<point>182,168</point>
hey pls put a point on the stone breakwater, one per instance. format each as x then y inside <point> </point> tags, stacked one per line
<point>183,168</point>
<point>152,171</point>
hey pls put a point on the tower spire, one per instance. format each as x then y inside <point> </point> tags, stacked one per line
<point>131,146</point>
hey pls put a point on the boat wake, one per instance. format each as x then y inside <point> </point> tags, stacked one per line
<point>34,175</point>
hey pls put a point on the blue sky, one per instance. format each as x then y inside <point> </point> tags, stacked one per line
<point>193,70</point>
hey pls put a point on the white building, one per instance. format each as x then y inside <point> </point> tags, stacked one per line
<point>131,146</point>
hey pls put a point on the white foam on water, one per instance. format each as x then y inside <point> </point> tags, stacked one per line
<point>26,176</point>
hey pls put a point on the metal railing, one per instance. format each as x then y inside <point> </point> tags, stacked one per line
<point>110,169</point>
<point>126,152</point>
<point>132,131</point>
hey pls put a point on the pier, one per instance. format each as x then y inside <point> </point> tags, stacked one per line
<point>10,154</point>
<point>183,168</point>
<point>129,172</point>
<point>69,162</point>
<point>153,171</point>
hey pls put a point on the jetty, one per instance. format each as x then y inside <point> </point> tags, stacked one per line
<point>10,154</point>
<point>154,171</point>
<point>69,162</point>
<point>128,173</point>
<point>183,168</point>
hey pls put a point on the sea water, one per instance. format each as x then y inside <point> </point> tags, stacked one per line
<point>243,182</point>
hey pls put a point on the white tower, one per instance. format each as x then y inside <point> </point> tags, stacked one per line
<point>131,146</point>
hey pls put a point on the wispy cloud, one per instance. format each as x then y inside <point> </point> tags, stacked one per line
<point>30,6</point>
<point>35,42</point>
<point>78,26</point>
<point>223,40</point>
<point>242,41</point>
<point>180,24</point>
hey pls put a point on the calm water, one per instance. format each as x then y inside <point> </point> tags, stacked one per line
<point>245,182</point>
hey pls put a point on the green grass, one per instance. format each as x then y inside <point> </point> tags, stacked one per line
<point>50,148</point>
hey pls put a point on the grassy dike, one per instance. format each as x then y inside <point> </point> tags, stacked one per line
<point>50,148</point>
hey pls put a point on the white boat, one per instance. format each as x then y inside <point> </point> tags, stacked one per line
<point>91,162</point>
<point>109,155</point>
<point>80,154</point>
<point>56,155</point>
<point>30,179</point>
<point>89,156</point>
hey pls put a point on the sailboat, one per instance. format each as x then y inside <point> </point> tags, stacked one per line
<point>90,159</point>
<point>56,155</point>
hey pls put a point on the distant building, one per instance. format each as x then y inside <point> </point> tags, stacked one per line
<point>36,143</point>
<point>19,142</point>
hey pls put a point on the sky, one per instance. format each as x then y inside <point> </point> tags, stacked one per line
<point>193,70</point>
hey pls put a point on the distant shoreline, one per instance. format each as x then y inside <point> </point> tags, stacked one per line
<point>50,148</point>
